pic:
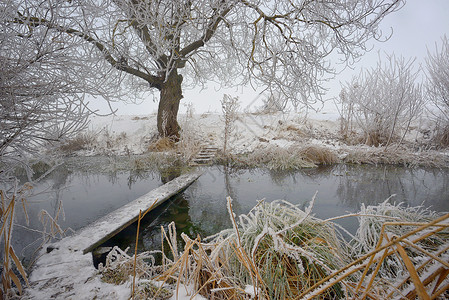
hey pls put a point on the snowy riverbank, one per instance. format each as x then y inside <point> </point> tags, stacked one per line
<point>253,134</point>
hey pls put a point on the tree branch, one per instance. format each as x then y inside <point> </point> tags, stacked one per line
<point>154,81</point>
<point>210,30</point>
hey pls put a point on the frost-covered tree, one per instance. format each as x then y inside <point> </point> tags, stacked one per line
<point>382,101</point>
<point>40,103</point>
<point>280,45</point>
<point>438,88</point>
<point>41,99</point>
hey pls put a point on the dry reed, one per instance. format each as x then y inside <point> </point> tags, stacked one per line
<point>162,144</point>
<point>282,252</point>
<point>397,156</point>
<point>319,155</point>
<point>11,283</point>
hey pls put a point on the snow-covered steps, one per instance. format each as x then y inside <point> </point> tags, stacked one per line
<point>204,156</point>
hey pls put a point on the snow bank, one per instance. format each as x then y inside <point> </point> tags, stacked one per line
<point>122,135</point>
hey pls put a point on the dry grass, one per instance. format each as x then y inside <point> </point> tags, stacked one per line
<point>397,156</point>
<point>120,267</point>
<point>276,158</point>
<point>296,130</point>
<point>277,248</point>
<point>319,155</point>
<point>273,158</point>
<point>162,144</point>
<point>83,141</point>
<point>426,277</point>
<point>11,284</point>
<point>284,253</point>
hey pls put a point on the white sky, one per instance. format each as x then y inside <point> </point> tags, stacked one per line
<point>416,28</point>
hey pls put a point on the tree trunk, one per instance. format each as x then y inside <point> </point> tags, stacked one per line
<point>171,95</point>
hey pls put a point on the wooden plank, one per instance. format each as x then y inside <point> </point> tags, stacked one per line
<point>103,229</point>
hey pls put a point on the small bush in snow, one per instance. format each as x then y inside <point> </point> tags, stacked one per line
<point>381,102</point>
<point>438,91</point>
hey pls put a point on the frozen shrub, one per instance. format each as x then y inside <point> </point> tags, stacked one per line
<point>82,141</point>
<point>229,106</point>
<point>190,142</point>
<point>381,102</point>
<point>438,91</point>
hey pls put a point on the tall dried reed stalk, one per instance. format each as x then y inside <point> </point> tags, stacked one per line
<point>141,216</point>
<point>10,259</point>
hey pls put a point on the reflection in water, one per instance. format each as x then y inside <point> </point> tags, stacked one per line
<point>341,190</point>
<point>412,187</point>
<point>86,193</point>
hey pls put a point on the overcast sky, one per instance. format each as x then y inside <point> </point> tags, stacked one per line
<point>416,28</point>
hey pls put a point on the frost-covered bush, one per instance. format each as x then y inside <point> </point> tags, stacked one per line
<point>438,90</point>
<point>229,106</point>
<point>371,220</point>
<point>278,251</point>
<point>290,250</point>
<point>381,102</point>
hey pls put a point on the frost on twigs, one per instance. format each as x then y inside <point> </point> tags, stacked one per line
<point>437,89</point>
<point>119,268</point>
<point>382,102</point>
<point>229,106</point>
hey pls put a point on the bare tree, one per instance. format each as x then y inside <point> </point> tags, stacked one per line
<point>40,90</point>
<point>438,89</point>
<point>40,103</point>
<point>382,102</point>
<point>279,45</point>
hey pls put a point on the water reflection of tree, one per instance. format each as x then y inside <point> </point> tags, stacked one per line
<point>207,198</point>
<point>431,186</point>
<point>282,177</point>
<point>372,185</point>
<point>140,175</point>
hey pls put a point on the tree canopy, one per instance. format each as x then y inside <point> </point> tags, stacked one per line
<point>280,45</point>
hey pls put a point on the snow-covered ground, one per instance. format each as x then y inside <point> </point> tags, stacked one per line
<point>122,135</point>
<point>67,274</point>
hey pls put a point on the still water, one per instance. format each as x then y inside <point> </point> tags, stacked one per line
<point>76,194</point>
<point>92,190</point>
<point>341,189</point>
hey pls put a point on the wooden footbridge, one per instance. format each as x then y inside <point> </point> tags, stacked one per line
<point>67,267</point>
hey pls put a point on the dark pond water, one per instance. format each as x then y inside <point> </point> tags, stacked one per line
<point>92,190</point>
<point>87,190</point>
<point>201,208</point>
